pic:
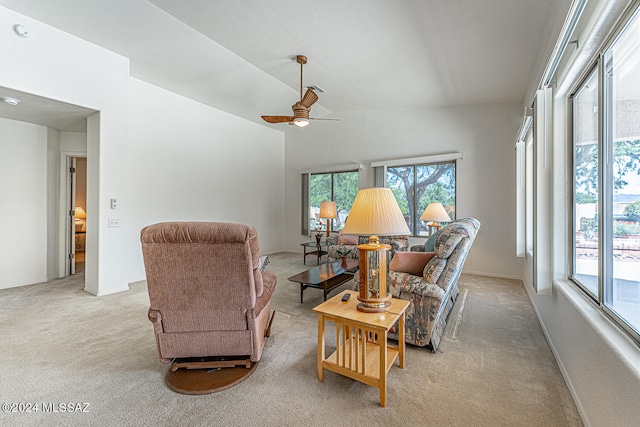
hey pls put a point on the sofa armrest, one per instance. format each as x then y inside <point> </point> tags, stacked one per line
<point>408,283</point>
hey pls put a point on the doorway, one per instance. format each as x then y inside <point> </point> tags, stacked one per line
<point>77,228</point>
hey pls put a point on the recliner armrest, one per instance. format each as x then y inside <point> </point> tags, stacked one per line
<point>156,318</point>
<point>408,283</point>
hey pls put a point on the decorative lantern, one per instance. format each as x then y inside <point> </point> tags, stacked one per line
<point>374,291</point>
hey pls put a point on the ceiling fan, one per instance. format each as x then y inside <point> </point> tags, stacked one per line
<point>301,108</point>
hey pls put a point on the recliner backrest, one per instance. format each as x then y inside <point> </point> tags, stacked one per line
<point>202,276</point>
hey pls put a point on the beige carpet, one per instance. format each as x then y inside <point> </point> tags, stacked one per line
<point>61,345</point>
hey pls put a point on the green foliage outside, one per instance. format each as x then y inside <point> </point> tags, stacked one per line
<point>345,188</point>
<point>622,228</point>
<point>632,212</point>
<point>626,159</point>
<point>584,198</point>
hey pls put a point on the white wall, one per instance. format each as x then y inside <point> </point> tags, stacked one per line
<point>23,208</point>
<point>59,66</point>
<point>192,162</point>
<point>485,176</point>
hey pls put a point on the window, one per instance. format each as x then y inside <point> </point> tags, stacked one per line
<point>606,180</point>
<point>415,186</point>
<point>585,185</point>
<point>340,187</point>
<point>529,195</point>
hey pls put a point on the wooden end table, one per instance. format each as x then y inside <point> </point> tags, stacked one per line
<point>318,250</point>
<point>362,352</point>
<point>326,276</point>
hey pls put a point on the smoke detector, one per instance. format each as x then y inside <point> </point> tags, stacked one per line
<point>21,30</point>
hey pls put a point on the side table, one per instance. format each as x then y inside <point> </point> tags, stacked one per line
<point>318,250</point>
<point>362,352</point>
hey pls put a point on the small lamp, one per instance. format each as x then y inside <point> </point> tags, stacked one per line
<point>375,212</point>
<point>328,211</point>
<point>80,215</point>
<point>435,213</point>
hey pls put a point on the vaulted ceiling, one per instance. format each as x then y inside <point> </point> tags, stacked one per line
<point>239,55</point>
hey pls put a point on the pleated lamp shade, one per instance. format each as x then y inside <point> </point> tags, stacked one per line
<point>328,209</point>
<point>435,212</point>
<point>80,213</point>
<point>375,211</point>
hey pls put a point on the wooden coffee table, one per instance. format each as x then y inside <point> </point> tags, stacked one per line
<point>326,276</point>
<point>362,352</point>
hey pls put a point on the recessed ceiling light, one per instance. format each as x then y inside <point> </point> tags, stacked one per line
<point>21,30</point>
<point>10,101</point>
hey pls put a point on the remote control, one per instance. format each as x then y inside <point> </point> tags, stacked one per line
<point>345,297</point>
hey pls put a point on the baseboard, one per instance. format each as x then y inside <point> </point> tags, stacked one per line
<point>111,291</point>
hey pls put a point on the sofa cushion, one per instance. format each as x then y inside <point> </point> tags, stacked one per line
<point>411,262</point>
<point>434,269</point>
<point>429,245</point>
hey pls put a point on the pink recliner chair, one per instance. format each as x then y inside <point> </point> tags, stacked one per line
<point>210,301</point>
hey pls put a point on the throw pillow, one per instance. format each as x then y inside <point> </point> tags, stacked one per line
<point>410,262</point>
<point>429,245</point>
<point>345,239</point>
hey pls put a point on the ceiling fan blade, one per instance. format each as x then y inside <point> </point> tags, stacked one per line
<point>309,98</point>
<point>314,118</point>
<point>277,119</point>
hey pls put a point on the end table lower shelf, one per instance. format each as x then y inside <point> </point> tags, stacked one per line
<point>361,341</point>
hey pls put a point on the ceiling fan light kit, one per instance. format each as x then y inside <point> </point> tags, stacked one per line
<point>301,108</point>
<point>300,122</point>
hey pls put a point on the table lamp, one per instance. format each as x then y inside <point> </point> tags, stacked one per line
<point>435,213</point>
<point>375,212</point>
<point>328,211</point>
<point>81,216</point>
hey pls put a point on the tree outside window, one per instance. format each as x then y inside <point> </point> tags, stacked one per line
<point>415,186</point>
<point>341,187</point>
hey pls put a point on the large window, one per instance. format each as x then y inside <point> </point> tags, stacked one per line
<point>340,187</point>
<point>606,177</point>
<point>415,186</point>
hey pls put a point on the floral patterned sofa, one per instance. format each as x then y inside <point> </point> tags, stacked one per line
<point>339,244</point>
<point>429,280</point>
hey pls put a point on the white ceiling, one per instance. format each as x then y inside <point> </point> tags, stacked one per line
<point>238,55</point>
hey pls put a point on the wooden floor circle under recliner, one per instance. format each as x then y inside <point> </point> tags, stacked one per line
<point>205,381</point>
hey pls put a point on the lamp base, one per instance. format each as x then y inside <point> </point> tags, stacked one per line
<point>373,308</point>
